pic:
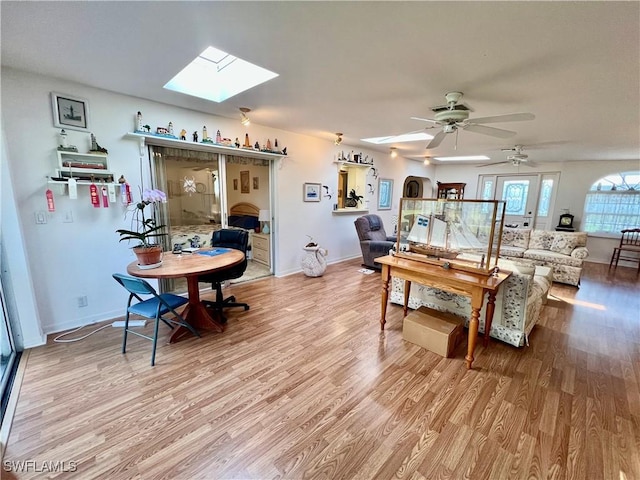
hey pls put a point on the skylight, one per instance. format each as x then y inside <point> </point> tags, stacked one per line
<point>216,75</point>
<point>407,137</point>
<point>457,159</point>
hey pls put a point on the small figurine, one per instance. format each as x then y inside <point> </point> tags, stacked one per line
<point>162,131</point>
<point>284,151</point>
<point>122,179</point>
<point>147,128</point>
<point>63,139</point>
<point>195,136</point>
<point>170,128</point>
<point>247,143</point>
<point>276,144</point>
<point>183,134</point>
<point>257,146</point>
<point>268,147</point>
<point>218,137</point>
<point>64,146</point>
<point>95,147</point>
<point>204,133</point>
<point>139,122</point>
<point>237,143</point>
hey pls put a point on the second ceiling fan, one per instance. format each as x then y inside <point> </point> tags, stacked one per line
<point>454,116</point>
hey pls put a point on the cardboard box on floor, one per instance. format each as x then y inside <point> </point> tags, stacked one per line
<point>439,332</point>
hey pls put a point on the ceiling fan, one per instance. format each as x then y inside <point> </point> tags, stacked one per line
<point>516,158</point>
<point>454,116</point>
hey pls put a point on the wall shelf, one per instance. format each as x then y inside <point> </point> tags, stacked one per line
<point>350,211</point>
<point>353,164</point>
<point>150,139</point>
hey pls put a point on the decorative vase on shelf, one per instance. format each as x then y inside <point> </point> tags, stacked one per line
<point>314,263</point>
<point>148,255</point>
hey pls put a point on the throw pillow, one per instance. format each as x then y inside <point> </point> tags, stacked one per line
<point>541,240</point>
<point>564,244</point>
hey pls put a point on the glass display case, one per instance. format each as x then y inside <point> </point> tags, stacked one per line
<point>458,234</point>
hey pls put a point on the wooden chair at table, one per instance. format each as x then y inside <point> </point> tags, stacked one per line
<point>630,246</point>
<point>154,307</point>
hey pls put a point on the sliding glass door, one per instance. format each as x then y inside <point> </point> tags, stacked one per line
<point>192,182</point>
<point>8,353</point>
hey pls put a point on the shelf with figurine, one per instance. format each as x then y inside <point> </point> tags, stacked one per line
<point>354,159</point>
<point>164,136</point>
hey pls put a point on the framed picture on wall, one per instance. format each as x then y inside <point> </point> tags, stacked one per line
<point>235,183</point>
<point>244,181</point>
<point>311,192</point>
<point>70,112</point>
<point>256,183</point>
<point>385,193</point>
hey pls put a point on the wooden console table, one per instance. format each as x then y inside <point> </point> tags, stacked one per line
<point>473,285</point>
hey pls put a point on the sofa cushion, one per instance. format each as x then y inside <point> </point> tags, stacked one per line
<point>541,240</point>
<point>519,267</point>
<point>511,251</point>
<point>565,243</point>
<point>515,237</point>
<point>553,258</point>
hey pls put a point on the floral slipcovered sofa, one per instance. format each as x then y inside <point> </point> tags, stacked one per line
<point>518,303</point>
<point>564,252</point>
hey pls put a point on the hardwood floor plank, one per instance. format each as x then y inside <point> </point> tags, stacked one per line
<point>305,385</point>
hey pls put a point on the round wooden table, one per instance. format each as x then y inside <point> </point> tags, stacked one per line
<point>191,266</point>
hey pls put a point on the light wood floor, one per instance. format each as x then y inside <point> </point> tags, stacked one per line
<point>304,385</point>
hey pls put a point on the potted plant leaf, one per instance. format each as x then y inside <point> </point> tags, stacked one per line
<point>353,199</point>
<point>144,229</point>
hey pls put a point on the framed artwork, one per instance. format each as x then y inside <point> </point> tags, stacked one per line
<point>70,112</point>
<point>244,181</point>
<point>385,193</point>
<point>256,183</point>
<point>235,183</point>
<point>311,192</point>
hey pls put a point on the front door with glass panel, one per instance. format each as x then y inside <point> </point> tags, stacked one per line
<point>521,195</point>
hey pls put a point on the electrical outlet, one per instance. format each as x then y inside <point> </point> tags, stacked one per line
<point>83,301</point>
<point>41,218</point>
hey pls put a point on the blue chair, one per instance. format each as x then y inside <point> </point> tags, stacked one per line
<point>154,307</point>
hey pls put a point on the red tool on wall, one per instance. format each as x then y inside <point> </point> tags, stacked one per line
<point>93,193</point>
<point>51,206</point>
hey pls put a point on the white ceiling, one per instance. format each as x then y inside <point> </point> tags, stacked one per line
<point>364,68</point>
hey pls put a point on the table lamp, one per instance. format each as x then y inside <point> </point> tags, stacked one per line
<point>264,216</point>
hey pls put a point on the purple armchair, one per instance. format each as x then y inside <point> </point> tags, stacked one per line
<point>374,241</point>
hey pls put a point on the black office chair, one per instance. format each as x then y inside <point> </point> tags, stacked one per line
<point>227,238</point>
<point>154,307</point>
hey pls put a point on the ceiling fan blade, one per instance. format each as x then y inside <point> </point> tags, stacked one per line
<point>511,117</point>
<point>529,163</point>
<point>492,131</point>
<point>493,163</point>
<point>425,119</point>
<point>437,140</point>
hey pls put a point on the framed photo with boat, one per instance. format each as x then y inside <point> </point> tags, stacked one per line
<point>311,192</point>
<point>70,112</point>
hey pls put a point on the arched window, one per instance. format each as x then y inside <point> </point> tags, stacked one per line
<point>613,203</point>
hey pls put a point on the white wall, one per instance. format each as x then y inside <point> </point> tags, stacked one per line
<point>70,260</point>
<point>575,180</point>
